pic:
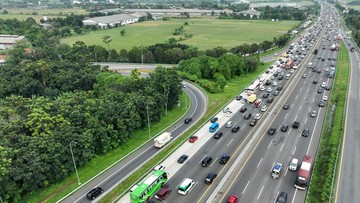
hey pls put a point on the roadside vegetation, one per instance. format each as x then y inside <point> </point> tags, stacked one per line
<point>326,162</point>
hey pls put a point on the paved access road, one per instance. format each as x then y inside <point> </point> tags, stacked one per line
<point>121,170</point>
<point>348,188</point>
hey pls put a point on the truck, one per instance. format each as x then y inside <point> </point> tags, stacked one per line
<point>289,64</point>
<point>331,71</point>
<point>162,140</point>
<point>304,174</point>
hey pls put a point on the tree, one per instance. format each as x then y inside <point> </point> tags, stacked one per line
<point>123,55</point>
<point>106,39</point>
<point>122,32</point>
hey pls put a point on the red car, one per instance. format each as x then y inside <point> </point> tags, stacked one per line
<point>193,138</point>
<point>233,198</point>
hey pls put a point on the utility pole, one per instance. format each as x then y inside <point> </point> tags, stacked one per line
<point>72,154</point>
<point>148,118</point>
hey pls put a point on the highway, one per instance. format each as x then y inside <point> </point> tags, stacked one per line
<point>348,178</point>
<point>115,175</point>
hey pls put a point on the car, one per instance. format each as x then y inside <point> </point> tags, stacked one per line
<point>188,120</point>
<point>257,116</point>
<point>218,135</point>
<point>313,113</point>
<point>270,100</point>
<point>293,164</point>
<point>247,116</point>
<point>325,98</point>
<point>326,69</point>
<point>224,159</point>
<point>269,89</point>
<point>214,119</point>
<point>267,82</point>
<point>321,103</point>
<point>327,88</point>
<point>279,88</point>
<point>229,124</point>
<point>159,167</point>
<point>284,128</point>
<point>163,193</point>
<point>243,109</point>
<point>272,77</point>
<point>318,70</point>
<point>239,97</point>
<point>263,108</point>
<point>291,71</point>
<point>281,198</point>
<point>229,113</point>
<point>323,85</point>
<point>182,159</point>
<point>265,95</point>
<point>305,132</point>
<point>276,93</point>
<point>272,131</point>
<point>233,199</point>
<point>235,129</point>
<point>286,106</point>
<point>274,83</point>
<point>225,110</point>
<point>323,59</point>
<point>210,178</point>
<point>253,122</point>
<point>315,82</point>
<point>262,88</point>
<point>320,90</point>
<point>296,124</point>
<point>193,138</point>
<point>313,70</point>
<point>92,194</point>
<point>280,78</point>
<point>304,75</point>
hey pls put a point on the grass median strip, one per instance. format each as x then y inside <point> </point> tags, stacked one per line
<point>216,102</point>
<point>321,184</point>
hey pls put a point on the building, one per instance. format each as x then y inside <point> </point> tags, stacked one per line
<point>178,12</point>
<point>112,21</point>
<point>251,12</point>
<point>8,41</point>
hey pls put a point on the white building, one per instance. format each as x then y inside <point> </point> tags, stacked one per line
<point>8,41</point>
<point>111,21</point>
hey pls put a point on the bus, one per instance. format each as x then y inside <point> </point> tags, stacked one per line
<point>148,188</point>
<point>254,87</point>
<point>214,127</point>
<point>186,186</point>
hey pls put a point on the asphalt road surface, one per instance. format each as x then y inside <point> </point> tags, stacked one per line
<point>348,189</point>
<point>127,166</point>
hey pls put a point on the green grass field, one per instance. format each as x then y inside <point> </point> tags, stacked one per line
<point>207,33</point>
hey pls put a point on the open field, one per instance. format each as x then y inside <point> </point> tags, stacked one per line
<point>206,33</point>
<point>20,17</point>
<point>47,12</point>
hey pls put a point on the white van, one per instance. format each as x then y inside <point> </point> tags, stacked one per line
<point>293,164</point>
<point>309,65</point>
<point>186,186</point>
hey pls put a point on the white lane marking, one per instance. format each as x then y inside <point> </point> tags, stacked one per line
<point>230,142</point>
<point>296,97</point>
<point>270,144</point>
<point>202,159</point>
<point>282,147</point>
<point>285,116</point>
<point>294,196</point>
<point>213,162</point>
<point>242,127</point>
<point>305,119</point>
<point>286,171</point>
<point>295,117</point>
<point>272,167</point>
<point>260,192</point>
<point>259,162</point>
<point>293,152</point>
<point>313,99</point>
<point>245,187</point>
<point>301,107</point>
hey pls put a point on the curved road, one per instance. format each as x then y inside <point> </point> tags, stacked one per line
<point>114,175</point>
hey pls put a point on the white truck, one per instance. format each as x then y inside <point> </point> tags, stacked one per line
<point>162,140</point>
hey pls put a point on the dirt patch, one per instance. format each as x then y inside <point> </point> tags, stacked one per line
<point>56,192</point>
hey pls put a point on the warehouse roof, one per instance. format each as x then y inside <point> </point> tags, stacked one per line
<point>10,39</point>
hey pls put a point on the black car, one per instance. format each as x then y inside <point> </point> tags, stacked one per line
<point>224,159</point>
<point>247,116</point>
<point>210,178</point>
<point>253,122</point>
<point>284,128</point>
<point>218,135</point>
<point>296,124</point>
<point>280,77</point>
<point>275,74</point>
<point>305,132</point>
<point>188,120</point>
<point>321,103</point>
<point>235,129</point>
<point>286,106</point>
<point>281,198</point>
<point>265,95</point>
<point>214,119</point>
<point>92,194</point>
<point>267,82</point>
<point>182,159</point>
<point>239,97</point>
<point>272,131</point>
<point>313,70</point>
<point>319,90</point>
<point>279,88</point>
<point>315,82</point>
<point>270,100</point>
<point>243,109</point>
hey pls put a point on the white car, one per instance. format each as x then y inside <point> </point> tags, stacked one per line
<point>291,71</point>
<point>230,124</point>
<point>269,89</point>
<point>325,98</point>
<point>274,83</point>
<point>293,164</point>
<point>313,113</point>
<point>159,167</point>
<point>264,108</point>
<point>323,84</point>
<point>257,116</point>
<point>262,88</point>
